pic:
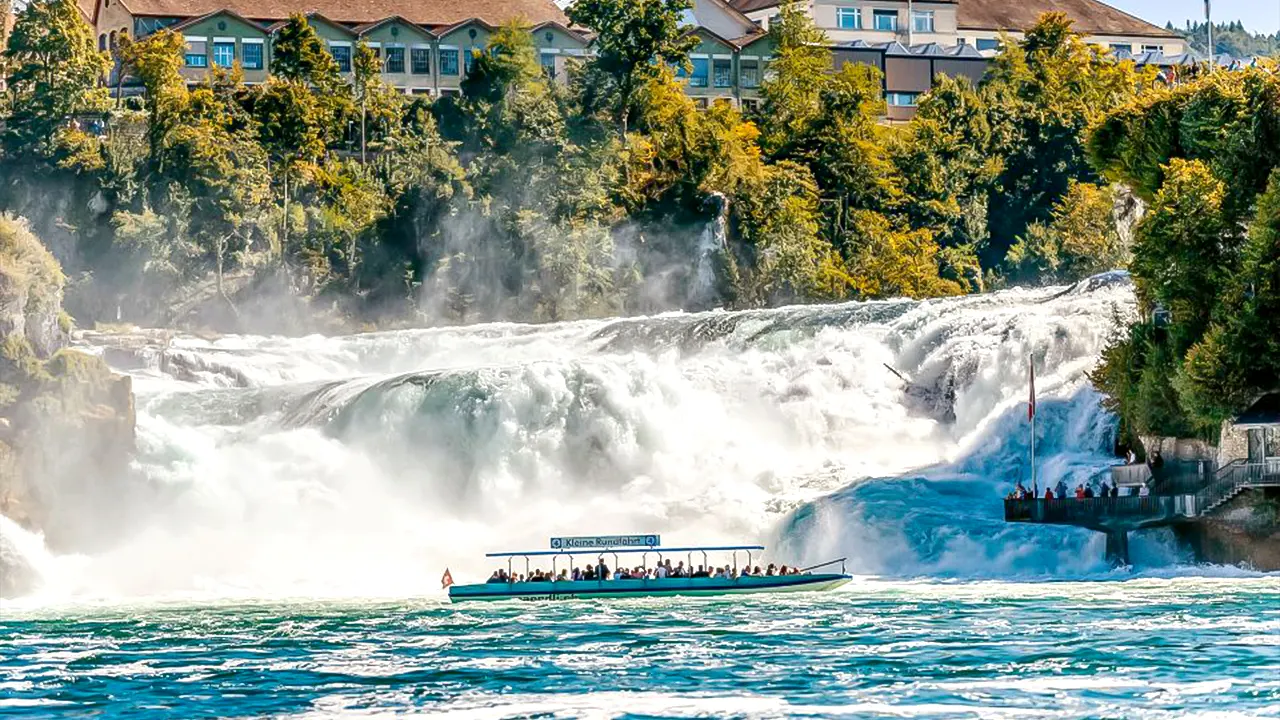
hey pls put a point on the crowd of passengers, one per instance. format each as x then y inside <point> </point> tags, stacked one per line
<point>664,570</point>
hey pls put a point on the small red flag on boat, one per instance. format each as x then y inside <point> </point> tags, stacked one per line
<point>1031,408</point>
<point>447,579</point>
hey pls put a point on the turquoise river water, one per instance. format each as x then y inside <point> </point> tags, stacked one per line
<point>1143,648</point>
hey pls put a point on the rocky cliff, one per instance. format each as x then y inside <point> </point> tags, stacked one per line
<point>66,421</point>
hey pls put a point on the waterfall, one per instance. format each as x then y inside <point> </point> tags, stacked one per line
<point>364,465</point>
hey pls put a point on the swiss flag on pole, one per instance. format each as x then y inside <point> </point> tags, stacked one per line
<point>447,579</point>
<point>1031,407</point>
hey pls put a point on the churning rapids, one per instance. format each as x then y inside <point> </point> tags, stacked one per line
<point>363,466</point>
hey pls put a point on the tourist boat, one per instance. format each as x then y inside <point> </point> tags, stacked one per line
<point>648,548</point>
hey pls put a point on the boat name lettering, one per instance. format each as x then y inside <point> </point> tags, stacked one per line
<point>605,541</point>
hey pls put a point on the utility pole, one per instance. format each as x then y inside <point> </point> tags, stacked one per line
<point>1208,17</point>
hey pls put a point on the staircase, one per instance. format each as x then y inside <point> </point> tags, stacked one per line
<point>1232,480</point>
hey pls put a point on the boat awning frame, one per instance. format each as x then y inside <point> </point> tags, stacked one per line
<point>613,551</point>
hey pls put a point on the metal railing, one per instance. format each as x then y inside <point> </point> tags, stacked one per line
<point>1235,478</point>
<point>1097,512</point>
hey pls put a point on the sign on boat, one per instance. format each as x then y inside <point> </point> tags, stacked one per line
<point>564,582</point>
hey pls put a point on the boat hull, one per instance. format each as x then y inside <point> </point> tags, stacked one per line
<point>671,587</point>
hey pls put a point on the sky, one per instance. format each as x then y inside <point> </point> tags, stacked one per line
<point>1257,15</point>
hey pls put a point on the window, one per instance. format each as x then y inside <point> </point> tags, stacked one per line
<point>901,99</point>
<point>722,73</point>
<point>848,18</point>
<point>224,54</point>
<point>448,62</point>
<point>962,41</point>
<point>1152,48</point>
<point>750,105</point>
<point>886,20</point>
<point>702,68</point>
<point>469,60</point>
<point>341,55</point>
<point>750,72</point>
<point>988,44</point>
<point>395,61</point>
<point>102,42</point>
<point>1121,47</point>
<point>197,55</point>
<point>251,56</point>
<point>922,21</point>
<point>548,61</point>
<point>420,58</point>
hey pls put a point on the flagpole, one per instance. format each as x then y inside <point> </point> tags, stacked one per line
<point>1035,488</point>
<point>1208,17</point>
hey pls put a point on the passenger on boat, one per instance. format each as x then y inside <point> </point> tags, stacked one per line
<point>602,570</point>
<point>771,570</point>
<point>563,577</point>
<point>664,571</point>
<point>680,570</point>
<point>757,572</point>
<point>577,574</point>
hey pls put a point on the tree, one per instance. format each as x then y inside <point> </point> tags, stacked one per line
<point>298,53</point>
<point>157,62</point>
<point>634,39</point>
<point>1049,89</point>
<point>1185,251</point>
<point>375,99</point>
<point>797,74</point>
<point>55,71</point>
<point>292,125</point>
<point>1081,239</point>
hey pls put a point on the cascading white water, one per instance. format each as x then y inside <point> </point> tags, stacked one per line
<point>365,465</point>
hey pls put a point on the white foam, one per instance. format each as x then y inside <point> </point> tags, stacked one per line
<point>437,445</point>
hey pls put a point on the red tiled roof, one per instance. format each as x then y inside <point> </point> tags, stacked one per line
<point>1091,17</point>
<point>359,12</point>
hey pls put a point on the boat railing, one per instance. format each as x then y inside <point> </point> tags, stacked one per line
<point>828,563</point>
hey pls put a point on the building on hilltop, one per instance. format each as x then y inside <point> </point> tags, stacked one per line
<point>911,41</point>
<point>425,45</point>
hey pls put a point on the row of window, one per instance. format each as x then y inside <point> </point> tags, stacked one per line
<point>719,73</point>
<point>393,60</point>
<point>224,54</point>
<point>850,18</point>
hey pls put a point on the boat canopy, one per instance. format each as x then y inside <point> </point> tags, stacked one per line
<point>613,551</point>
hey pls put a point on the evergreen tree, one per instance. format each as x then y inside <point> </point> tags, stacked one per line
<point>55,72</point>
<point>799,71</point>
<point>634,39</point>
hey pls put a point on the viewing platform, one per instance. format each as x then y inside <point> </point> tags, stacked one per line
<point>1116,516</point>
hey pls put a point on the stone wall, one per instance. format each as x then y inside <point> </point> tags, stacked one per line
<point>1233,444</point>
<point>1245,532</point>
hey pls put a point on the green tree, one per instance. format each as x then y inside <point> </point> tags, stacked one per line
<point>376,101</point>
<point>798,72</point>
<point>634,39</point>
<point>55,72</point>
<point>298,53</point>
<point>1081,239</point>
<point>1049,89</point>
<point>157,62</point>
<point>1185,250</point>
